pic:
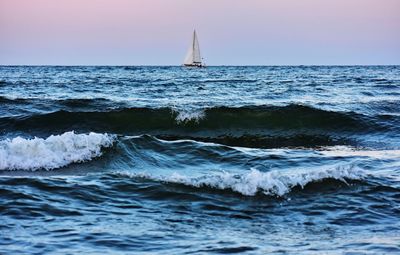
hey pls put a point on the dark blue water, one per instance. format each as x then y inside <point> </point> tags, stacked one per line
<point>168,160</point>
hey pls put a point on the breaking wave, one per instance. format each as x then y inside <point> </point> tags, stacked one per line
<point>183,116</point>
<point>53,152</point>
<point>273,183</point>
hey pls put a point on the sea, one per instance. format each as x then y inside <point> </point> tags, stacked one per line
<point>216,160</point>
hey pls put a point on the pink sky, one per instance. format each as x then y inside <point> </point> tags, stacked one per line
<point>231,32</point>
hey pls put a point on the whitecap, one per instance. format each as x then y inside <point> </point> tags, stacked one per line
<point>53,152</point>
<point>186,115</point>
<point>276,183</point>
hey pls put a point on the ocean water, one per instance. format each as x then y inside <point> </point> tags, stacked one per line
<point>221,160</point>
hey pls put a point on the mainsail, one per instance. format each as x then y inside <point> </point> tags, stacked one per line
<point>193,57</point>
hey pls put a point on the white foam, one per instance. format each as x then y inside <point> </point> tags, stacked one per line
<point>54,152</point>
<point>187,115</point>
<point>344,151</point>
<point>276,183</point>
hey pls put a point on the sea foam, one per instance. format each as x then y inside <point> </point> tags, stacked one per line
<point>187,115</point>
<point>275,183</point>
<point>53,152</point>
<point>345,151</point>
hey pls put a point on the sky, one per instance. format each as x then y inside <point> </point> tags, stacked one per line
<point>231,32</point>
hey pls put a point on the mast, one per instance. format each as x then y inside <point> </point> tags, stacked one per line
<point>194,40</point>
<point>196,50</point>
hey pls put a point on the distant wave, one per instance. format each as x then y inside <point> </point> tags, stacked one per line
<point>274,183</point>
<point>53,152</point>
<point>229,80</point>
<point>10,100</point>
<point>70,103</point>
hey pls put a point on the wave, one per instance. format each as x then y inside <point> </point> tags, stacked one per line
<point>69,103</point>
<point>53,152</point>
<point>226,120</point>
<point>10,100</point>
<point>267,141</point>
<point>273,183</point>
<point>229,81</point>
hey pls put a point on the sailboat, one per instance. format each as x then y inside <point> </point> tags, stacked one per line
<point>193,57</point>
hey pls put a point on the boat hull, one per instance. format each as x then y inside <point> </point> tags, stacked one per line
<point>194,65</point>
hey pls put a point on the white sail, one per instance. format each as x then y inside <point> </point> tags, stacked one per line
<point>193,57</point>
<point>196,49</point>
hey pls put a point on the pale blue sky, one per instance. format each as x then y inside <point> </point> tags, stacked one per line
<point>157,32</point>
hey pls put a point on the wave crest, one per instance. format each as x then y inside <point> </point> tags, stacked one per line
<point>274,183</point>
<point>252,119</point>
<point>53,152</point>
